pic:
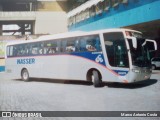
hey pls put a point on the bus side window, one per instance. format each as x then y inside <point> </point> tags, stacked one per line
<point>50,47</point>
<point>21,50</point>
<point>53,47</point>
<point>10,51</point>
<point>82,44</point>
<point>70,47</point>
<point>77,45</point>
<point>90,43</point>
<point>34,48</point>
<point>15,51</point>
<point>90,46</point>
<point>34,51</point>
<point>63,46</point>
<point>41,46</point>
<point>45,49</point>
<point>98,44</point>
<point>26,49</point>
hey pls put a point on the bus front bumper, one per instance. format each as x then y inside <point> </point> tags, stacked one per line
<point>140,74</point>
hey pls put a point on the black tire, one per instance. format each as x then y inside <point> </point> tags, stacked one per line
<point>97,82</point>
<point>153,67</point>
<point>25,75</point>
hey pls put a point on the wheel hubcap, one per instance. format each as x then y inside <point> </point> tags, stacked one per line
<point>92,77</point>
<point>25,75</point>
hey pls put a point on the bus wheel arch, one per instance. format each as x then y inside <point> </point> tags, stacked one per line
<point>24,74</point>
<point>94,76</point>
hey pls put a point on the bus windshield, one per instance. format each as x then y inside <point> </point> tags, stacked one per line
<point>140,55</point>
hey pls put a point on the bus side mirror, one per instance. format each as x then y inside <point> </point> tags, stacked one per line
<point>152,45</point>
<point>134,42</point>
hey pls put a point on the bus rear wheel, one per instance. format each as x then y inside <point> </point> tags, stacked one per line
<point>97,82</point>
<point>25,75</point>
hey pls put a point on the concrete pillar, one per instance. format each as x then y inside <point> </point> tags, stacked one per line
<point>33,28</point>
<point>23,29</point>
<point>1,30</point>
<point>57,22</point>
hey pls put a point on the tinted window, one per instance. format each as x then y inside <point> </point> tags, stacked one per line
<point>50,47</point>
<point>90,43</point>
<point>17,50</point>
<point>81,44</point>
<point>35,48</point>
<point>116,49</point>
<point>10,51</point>
<point>72,45</point>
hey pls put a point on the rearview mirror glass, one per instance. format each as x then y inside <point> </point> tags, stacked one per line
<point>134,42</point>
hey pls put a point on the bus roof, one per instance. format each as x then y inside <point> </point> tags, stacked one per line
<point>72,34</point>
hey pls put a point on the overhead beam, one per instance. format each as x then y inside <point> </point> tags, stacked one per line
<point>17,30</point>
<point>6,1</point>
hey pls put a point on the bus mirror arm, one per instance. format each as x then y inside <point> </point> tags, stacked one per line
<point>128,50</point>
<point>153,42</point>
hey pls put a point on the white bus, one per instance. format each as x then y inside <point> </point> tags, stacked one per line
<point>113,55</point>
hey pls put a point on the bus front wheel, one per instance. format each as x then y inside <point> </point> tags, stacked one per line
<point>97,82</point>
<point>25,75</point>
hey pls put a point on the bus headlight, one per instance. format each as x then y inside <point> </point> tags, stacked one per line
<point>136,71</point>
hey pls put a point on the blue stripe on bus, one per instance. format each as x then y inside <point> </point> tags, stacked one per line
<point>100,59</point>
<point>94,56</point>
<point>121,72</point>
<point>74,55</point>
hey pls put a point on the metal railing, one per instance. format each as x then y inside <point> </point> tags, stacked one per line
<point>17,15</point>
